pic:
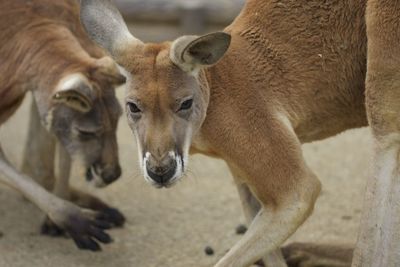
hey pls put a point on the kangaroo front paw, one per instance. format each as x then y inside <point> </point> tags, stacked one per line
<point>106,213</point>
<point>85,231</point>
<point>112,216</point>
<point>85,227</point>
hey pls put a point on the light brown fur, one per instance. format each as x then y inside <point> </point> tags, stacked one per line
<point>378,242</point>
<point>29,40</point>
<point>43,49</point>
<point>294,73</point>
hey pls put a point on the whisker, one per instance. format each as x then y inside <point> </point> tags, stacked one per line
<point>190,175</point>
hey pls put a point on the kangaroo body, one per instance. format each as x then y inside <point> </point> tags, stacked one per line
<point>44,50</point>
<point>282,74</point>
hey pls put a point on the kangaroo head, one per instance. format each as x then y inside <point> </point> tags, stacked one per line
<point>167,93</point>
<point>82,111</point>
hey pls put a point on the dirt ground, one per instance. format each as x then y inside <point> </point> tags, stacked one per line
<point>171,228</point>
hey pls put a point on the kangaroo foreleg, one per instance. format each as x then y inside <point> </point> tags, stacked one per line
<point>84,226</point>
<point>276,174</point>
<point>61,185</point>
<point>39,153</point>
<point>251,207</point>
<point>378,242</point>
<point>63,190</point>
<point>271,227</point>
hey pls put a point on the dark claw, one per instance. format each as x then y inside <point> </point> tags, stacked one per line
<point>102,224</point>
<point>79,243</point>
<point>112,216</point>
<point>100,235</point>
<point>86,243</point>
<point>92,245</point>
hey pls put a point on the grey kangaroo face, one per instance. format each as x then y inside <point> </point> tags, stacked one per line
<point>84,114</point>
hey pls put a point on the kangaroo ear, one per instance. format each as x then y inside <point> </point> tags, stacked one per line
<point>106,70</point>
<point>105,26</point>
<point>193,52</point>
<point>75,92</point>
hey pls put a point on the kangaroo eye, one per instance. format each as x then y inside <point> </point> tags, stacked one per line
<point>89,134</point>
<point>186,105</point>
<point>133,108</point>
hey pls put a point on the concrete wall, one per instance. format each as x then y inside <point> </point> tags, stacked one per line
<point>214,11</point>
<point>165,20</point>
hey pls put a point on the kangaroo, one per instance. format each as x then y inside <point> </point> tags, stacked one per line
<point>378,241</point>
<point>282,74</point>
<point>43,49</point>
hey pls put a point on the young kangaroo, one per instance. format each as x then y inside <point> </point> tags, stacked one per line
<point>43,49</point>
<point>288,72</point>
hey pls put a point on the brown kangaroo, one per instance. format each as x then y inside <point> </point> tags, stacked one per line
<point>288,72</point>
<point>43,49</point>
<point>378,242</point>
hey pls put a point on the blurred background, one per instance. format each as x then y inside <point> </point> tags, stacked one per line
<point>155,20</point>
<point>171,228</point>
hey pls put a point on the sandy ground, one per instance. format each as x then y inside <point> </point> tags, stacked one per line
<point>171,228</point>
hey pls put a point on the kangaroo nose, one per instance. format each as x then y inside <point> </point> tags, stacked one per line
<point>161,174</point>
<point>111,174</point>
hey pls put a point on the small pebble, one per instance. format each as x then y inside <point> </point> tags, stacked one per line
<point>346,217</point>
<point>241,229</point>
<point>209,251</point>
<point>259,263</point>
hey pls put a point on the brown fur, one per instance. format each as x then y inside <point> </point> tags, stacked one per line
<point>378,242</point>
<point>294,73</point>
<point>43,36</point>
<point>43,49</point>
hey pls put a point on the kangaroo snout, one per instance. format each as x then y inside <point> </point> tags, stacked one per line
<point>161,171</point>
<point>102,176</point>
<point>109,175</point>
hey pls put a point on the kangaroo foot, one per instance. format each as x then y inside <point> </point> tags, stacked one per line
<point>314,255</point>
<point>105,213</point>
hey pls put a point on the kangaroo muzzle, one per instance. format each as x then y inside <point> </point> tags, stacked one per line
<point>162,171</point>
<point>102,176</point>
